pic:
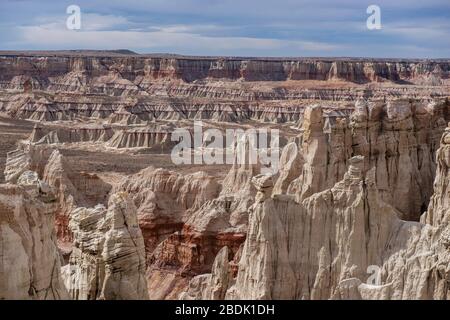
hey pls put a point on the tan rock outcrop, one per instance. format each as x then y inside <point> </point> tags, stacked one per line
<point>329,244</point>
<point>30,265</point>
<point>211,286</point>
<point>49,135</point>
<point>399,138</point>
<point>438,212</point>
<point>158,140</point>
<point>422,269</point>
<point>121,75</point>
<point>290,167</point>
<point>359,208</point>
<point>185,223</point>
<point>26,157</point>
<point>73,190</point>
<point>108,258</point>
<point>246,165</point>
<point>165,199</point>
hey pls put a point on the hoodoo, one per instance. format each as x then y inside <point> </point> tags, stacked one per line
<point>347,198</point>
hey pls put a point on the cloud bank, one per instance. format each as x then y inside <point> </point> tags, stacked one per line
<point>229,27</point>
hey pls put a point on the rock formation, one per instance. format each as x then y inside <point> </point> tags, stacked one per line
<point>399,138</point>
<point>94,207</point>
<point>221,89</point>
<point>48,135</point>
<point>30,260</point>
<point>142,138</point>
<point>211,286</point>
<point>126,74</point>
<point>326,245</point>
<point>165,199</point>
<point>184,223</point>
<point>108,258</point>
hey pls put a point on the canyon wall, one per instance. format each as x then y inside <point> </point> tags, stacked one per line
<point>348,187</point>
<point>108,258</point>
<point>327,245</point>
<point>362,187</point>
<point>134,72</point>
<point>30,259</point>
<point>136,89</point>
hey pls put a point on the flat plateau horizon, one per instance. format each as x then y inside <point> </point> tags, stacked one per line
<point>127,52</point>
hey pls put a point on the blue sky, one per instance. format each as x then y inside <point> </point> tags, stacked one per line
<point>410,28</point>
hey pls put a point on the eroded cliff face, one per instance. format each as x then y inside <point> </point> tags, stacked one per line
<point>438,208</point>
<point>398,138</point>
<point>131,73</point>
<point>327,245</point>
<point>31,261</point>
<point>72,189</point>
<point>362,182</point>
<point>165,199</point>
<point>151,136</point>
<point>137,89</point>
<point>422,269</point>
<point>303,250</point>
<point>108,258</point>
<point>185,222</point>
<point>312,231</point>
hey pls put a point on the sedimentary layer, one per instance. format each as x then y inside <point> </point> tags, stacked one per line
<point>30,260</point>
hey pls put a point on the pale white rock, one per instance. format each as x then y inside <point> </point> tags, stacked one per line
<point>26,157</point>
<point>291,164</point>
<point>30,265</point>
<point>211,286</point>
<point>246,164</point>
<point>166,199</point>
<point>399,138</point>
<point>325,246</point>
<point>438,212</point>
<point>108,258</point>
<point>73,189</point>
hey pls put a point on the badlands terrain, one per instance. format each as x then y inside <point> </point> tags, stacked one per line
<point>93,207</point>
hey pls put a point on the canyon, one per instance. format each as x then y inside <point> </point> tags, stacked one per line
<point>92,207</point>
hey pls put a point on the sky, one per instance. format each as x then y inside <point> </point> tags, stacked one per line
<point>290,28</point>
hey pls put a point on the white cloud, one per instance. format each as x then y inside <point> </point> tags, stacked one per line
<point>90,22</point>
<point>193,28</point>
<point>420,30</point>
<point>233,27</point>
<point>177,38</point>
<point>93,22</point>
